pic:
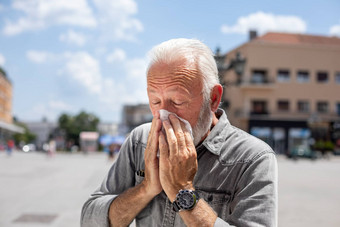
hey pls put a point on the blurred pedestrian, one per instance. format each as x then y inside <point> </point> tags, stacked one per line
<point>51,148</point>
<point>111,151</point>
<point>10,146</point>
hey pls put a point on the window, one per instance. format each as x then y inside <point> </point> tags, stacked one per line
<point>259,77</point>
<point>259,107</point>
<point>283,105</point>
<point>303,76</point>
<point>322,107</point>
<point>337,77</point>
<point>322,77</point>
<point>303,106</point>
<point>283,76</point>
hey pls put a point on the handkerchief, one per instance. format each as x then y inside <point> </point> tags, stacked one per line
<point>164,115</point>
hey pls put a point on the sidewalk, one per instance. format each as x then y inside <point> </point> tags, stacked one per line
<point>37,190</point>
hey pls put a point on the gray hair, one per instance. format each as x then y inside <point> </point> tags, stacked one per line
<point>192,50</point>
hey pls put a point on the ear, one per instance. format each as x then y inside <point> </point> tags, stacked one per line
<point>215,97</point>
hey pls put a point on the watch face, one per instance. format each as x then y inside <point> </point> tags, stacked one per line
<point>186,199</point>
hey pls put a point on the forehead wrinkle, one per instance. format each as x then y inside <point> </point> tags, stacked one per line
<point>175,80</point>
<point>190,74</point>
<point>182,77</point>
<point>163,76</point>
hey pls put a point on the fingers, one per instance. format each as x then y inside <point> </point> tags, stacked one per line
<point>178,125</point>
<point>175,133</point>
<point>190,144</point>
<point>152,145</point>
<point>163,147</point>
<point>171,137</point>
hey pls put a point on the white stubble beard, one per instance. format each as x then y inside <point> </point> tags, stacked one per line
<point>203,123</point>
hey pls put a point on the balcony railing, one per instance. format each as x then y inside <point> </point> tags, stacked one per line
<point>257,83</point>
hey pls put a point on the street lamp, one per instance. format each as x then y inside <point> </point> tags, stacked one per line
<point>238,64</point>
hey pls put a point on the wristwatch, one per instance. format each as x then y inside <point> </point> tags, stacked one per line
<point>185,200</point>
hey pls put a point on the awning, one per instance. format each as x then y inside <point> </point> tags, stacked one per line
<point>11,127</point>
<point>106,140</point>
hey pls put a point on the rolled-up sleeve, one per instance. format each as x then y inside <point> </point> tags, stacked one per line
<point>255,201</point>
<point>120,177</point>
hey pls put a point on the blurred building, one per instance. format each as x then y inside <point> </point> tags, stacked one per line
<point>45,131</point>
<point>7,128</point>
<point>107,128</point>
<point>282,86</point>
<point>135,115</point>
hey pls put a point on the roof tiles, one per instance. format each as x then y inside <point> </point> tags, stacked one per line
<point>289,38</point>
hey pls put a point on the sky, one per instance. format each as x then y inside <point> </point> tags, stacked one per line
<point>67,56</point>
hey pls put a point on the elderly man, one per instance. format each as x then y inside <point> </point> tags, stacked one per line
<point>166,176</point>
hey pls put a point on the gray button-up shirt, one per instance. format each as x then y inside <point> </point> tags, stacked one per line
<point>237,177</point>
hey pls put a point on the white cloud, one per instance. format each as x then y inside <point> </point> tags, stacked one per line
<point>263,22</point>
<point>117,55</point>
<point>136,75</point>
<point>136,68</point>
<point>2,60</point>
<point>59,105</point>
<point>131,87</point>
<point>73,37</point>
<point>85,70</point>
<point>39,56</point>
<point>51,109</point>
<point>114,20</point>
<point>117,19</point>
<point>335,30</point>
<point>39,14</point>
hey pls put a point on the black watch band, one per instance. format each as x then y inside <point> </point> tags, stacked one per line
<point>185,200</point>
<point>176,208</point>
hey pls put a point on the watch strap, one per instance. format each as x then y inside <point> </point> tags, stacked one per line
<point>177,207</point>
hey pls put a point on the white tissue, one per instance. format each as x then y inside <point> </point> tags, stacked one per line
<point>164,115</point>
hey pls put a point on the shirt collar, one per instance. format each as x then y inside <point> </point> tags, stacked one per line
<point>218,134</point>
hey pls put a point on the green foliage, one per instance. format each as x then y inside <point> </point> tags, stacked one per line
<point>324,145</point>
<point>26,137</point>
<point>73,125</point>
<point>329,145</point>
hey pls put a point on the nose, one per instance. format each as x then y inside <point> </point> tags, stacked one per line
<point>163,106</point>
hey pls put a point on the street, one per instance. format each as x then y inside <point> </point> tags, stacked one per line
<point>37,190</point>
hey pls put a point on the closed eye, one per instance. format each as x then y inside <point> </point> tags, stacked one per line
<point>177,103</point>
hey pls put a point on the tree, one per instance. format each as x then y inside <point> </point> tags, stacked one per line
<point>26,137</point>
<point>73,125</point>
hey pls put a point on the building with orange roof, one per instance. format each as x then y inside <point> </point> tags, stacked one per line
<point>7,128</point>
<point>283,87</point>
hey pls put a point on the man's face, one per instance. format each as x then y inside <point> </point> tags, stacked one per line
<point>176,88</point>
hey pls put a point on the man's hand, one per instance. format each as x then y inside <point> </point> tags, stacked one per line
<point>151,180</point>
<point>178,158</point>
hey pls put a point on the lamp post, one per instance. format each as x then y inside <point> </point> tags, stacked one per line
<point>238,64</point>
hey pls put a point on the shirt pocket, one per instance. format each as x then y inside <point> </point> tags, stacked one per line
<point>147,210</point>
<point>218,201</point>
